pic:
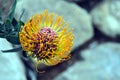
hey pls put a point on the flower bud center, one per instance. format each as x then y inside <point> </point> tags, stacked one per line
<point>46,42</point>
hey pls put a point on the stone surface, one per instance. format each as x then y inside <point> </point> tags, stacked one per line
<point>78,18</point>
<point>11,67</point>
<point>101,63</point>
<point>5,8</point>
<point>106,17</point>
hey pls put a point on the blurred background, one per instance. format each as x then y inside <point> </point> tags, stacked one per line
<point>96,50</point>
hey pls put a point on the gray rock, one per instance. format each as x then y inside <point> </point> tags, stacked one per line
<point>75,15</point>
<point>106,17</point>
<point>11,67</point>
<point>101,63</point>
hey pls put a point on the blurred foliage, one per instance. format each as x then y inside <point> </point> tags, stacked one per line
<point>10,27</point>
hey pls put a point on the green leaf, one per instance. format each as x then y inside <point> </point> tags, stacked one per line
<point>15,24</point>
<point>2,28</point>
<point>1,25</point>
<point>12,11</point>
<point>13,50</point>
<point>7,26</point>
<point>2,35</point>
<point>21,15</point>
<point>13,38</point>
<point>0,15</point>
<point>20,23</point>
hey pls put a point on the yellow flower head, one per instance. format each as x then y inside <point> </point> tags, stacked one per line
<point>47,38</point>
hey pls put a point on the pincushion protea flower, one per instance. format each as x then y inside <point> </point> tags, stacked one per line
<point>47,38</point>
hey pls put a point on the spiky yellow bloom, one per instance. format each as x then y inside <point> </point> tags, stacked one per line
<point>47,38</point>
